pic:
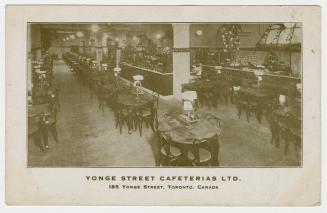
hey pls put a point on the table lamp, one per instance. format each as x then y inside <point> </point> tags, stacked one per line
<point>218,69</point>
<point>198,70</point>
<point>137,83</point>
<point>104,67</point>
<point>259,74</point>
<point>94,65</point>
<point>117,71</point>
<point>188,98</point>
<point>282,100</point>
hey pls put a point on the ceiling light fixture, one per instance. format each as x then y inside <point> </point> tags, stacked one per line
<point>95,28</point>
<point>79,34</point>
<point>199,32</point>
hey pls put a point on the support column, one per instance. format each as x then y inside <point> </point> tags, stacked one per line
<point>81,46</point>
<point>181,57</point>
<point>118,56</point>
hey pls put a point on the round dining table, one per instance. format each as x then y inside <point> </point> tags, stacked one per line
<point>112,87</point>
<point>185,133</point>
<point>130,99</point>
<point>39,109</point>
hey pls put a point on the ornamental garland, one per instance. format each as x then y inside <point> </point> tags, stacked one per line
<point>230,37</point>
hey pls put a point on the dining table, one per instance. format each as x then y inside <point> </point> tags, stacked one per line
<point>259,95</point>
<point>259,99</point>
<point>204,84</point>
<point>41,94</point>
<point>38,109</point>
<point>34,113</point>
<point>183,132</point>
<point>217,88</point>
<point>130,99</point>
<point>112,87</point>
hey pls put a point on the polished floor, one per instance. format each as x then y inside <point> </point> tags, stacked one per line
<point>87,137</point>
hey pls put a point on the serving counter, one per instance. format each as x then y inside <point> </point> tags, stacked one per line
<point>161,83</point>
<point>279,83</point>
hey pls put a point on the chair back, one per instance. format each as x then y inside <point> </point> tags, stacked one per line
<point>214,147</point>
<point>195,150</point>
<point>165,141</point>
<point>210,144</point>
<point>211,117</point>
<point>155,104</point>
<point>155,98</point>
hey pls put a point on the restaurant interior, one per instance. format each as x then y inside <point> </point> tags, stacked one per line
<point>164,95</point>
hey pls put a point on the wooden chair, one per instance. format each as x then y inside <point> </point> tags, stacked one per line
<point>205,152</point>
<point>101,95</point>
<point>123,116</point>
<point>217,120</point>
<point>149,114</point>
<point>112,100</point>
<point>293,133</point>
<point>34,131</point>
<point>169,155</point>
<point>199,156</point>
<point>48,124</point>
<point>274,129</point>
<point>244,104</point>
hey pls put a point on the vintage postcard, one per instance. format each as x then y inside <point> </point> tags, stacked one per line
<point>163,105</point>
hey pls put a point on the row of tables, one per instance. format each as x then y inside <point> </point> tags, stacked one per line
<point>262,100</point>
<point>42,111</point>
<point>105,84</point>
<point>181,133</point>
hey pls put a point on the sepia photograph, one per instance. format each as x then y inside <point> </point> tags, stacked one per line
<point>112,105</point>
<point>164,94</point>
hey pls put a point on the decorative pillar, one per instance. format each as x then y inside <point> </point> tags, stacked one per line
<point>181,57</point>
<point>118,56</point>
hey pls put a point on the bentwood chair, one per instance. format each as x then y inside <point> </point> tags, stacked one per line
<point>34,131</point>
<point>209,97</point>
<point>144,115</point>
<point>274,129</point>
<point>148,114</point>
<point>244,104</point>
<point>155,108</point>
<point>101,95</point>
<point>125,116</point>
<point>48,124</point>
<point>169,155</point>
<point>204,152</point>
